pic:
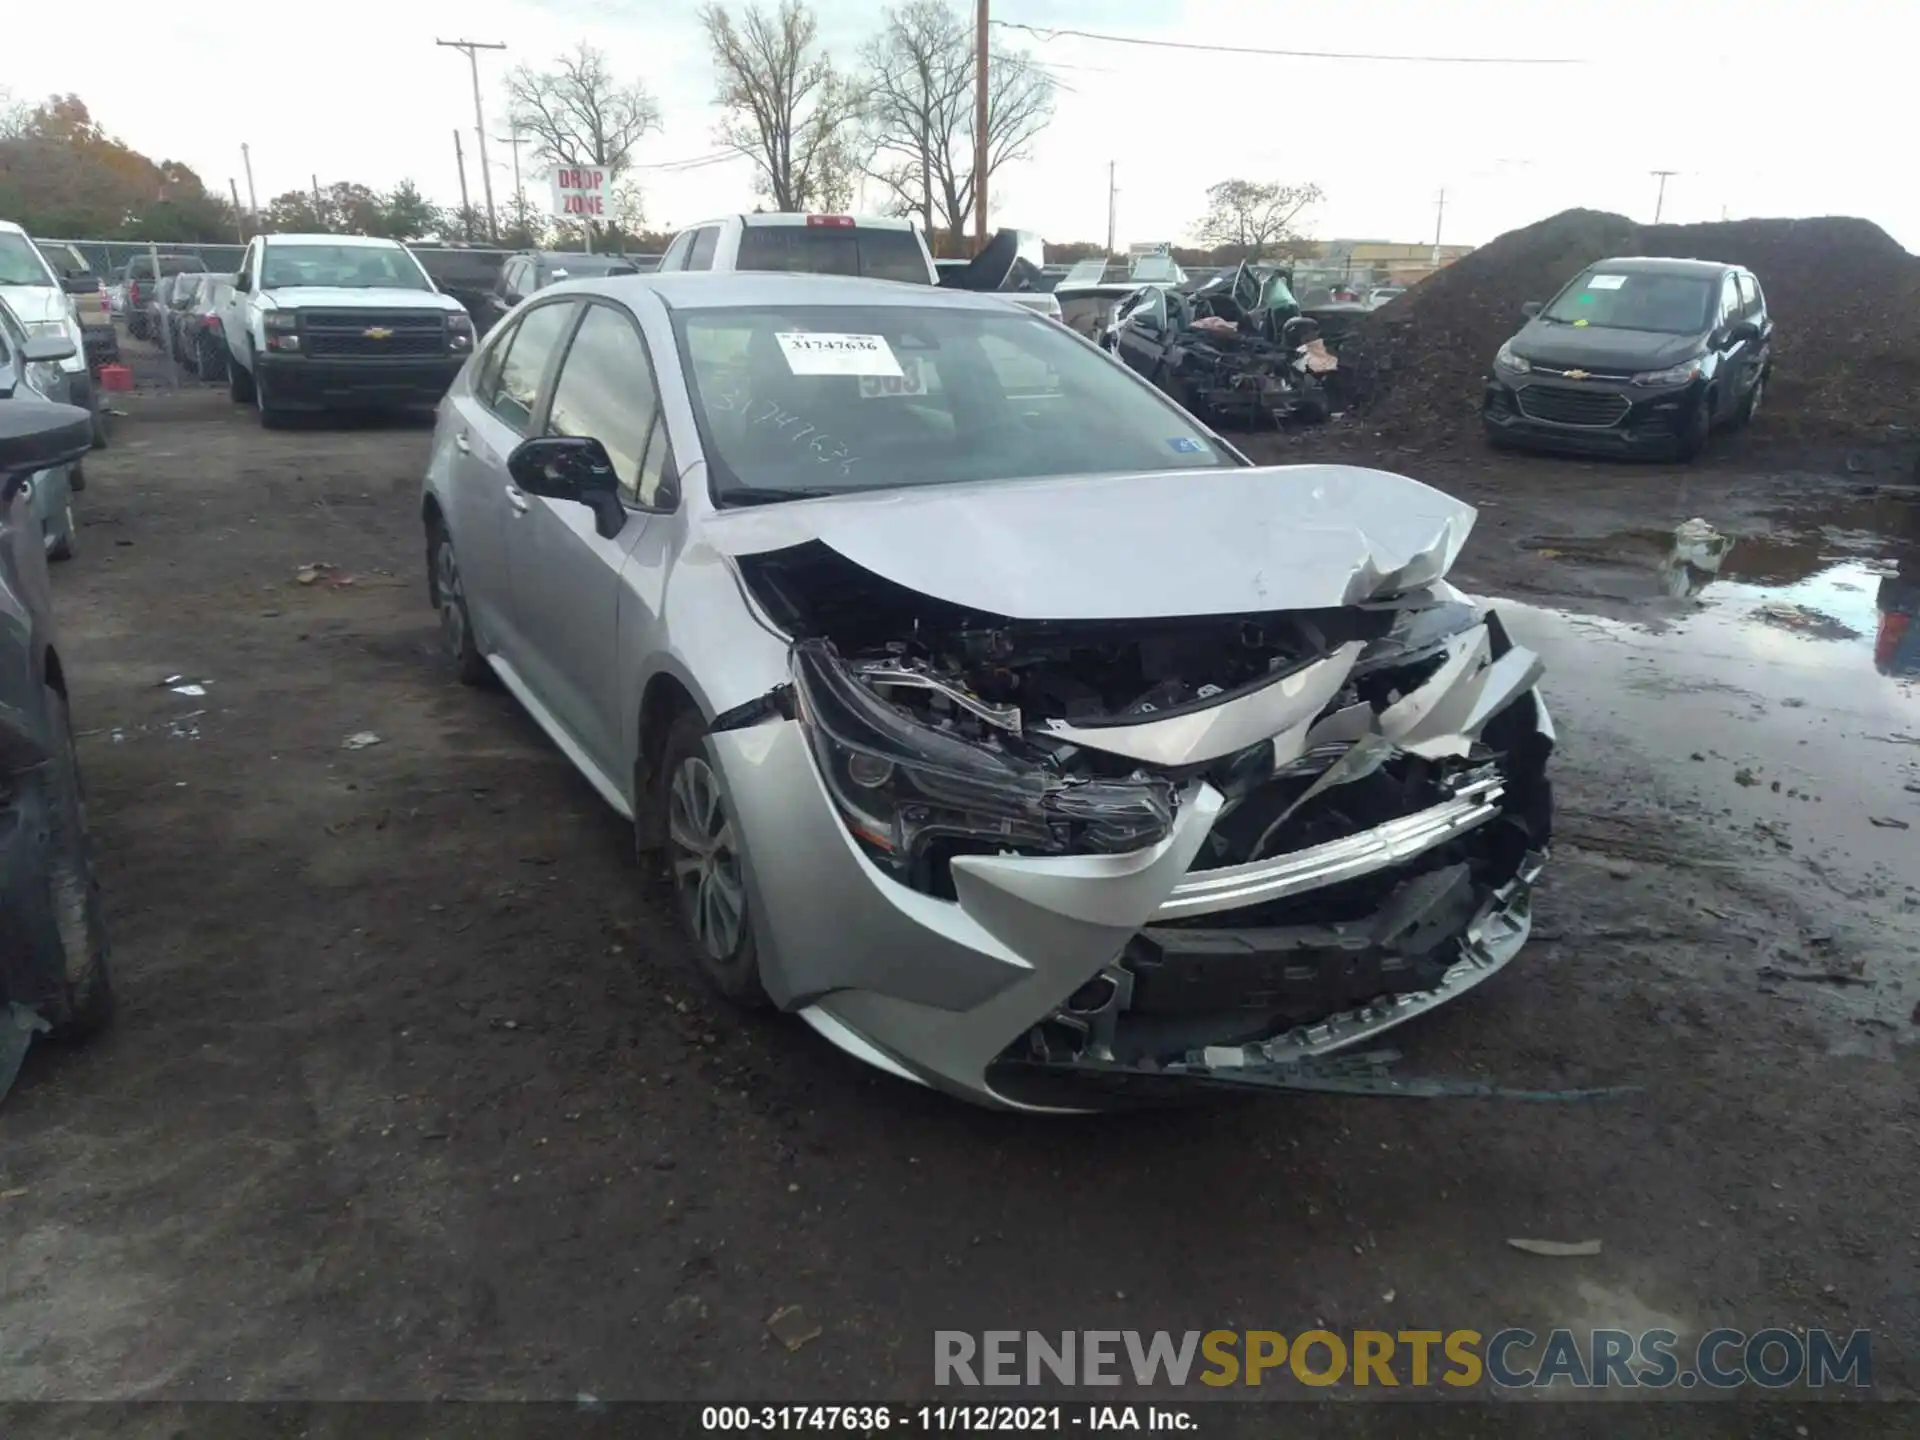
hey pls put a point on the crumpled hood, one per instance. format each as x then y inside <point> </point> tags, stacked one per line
<point>1147,546</point>
<point>329,297</point>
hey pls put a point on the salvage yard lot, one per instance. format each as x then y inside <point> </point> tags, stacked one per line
<point>413,1091</point>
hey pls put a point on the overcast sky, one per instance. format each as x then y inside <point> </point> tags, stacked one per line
<point>1758,112</point>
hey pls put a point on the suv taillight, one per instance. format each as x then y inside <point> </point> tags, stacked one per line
<point>133,292</point>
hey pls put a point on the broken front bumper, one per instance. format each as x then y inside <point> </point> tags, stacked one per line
<point>1145,965</point>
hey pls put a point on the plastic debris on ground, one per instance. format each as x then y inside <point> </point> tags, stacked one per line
<point>791,1326</point>
<point>1559,1249</point>
<point>360,740</point>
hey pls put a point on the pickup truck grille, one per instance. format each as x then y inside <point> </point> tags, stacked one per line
<point>370,333</point>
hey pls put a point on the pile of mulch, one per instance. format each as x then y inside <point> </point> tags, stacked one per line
<point>1844,296</point>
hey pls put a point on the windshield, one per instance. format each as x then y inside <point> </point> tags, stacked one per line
<point>1661,304</point>
<point>20,263</point>
<point>814,400</point>
<point>351,267</point>
<point>834,250</point>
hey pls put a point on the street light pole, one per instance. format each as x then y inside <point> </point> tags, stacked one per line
<point>473,49</point>
<point>253,201</point>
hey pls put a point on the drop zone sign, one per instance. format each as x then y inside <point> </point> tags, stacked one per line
<point>582,193</point>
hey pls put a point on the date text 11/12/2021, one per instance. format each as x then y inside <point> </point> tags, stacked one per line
<point>944,1419</point>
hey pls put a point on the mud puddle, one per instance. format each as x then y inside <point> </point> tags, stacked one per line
<point>1773,694</point>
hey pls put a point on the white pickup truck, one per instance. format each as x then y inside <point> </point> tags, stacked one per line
<point>320,322</point>
<point>879,247</point>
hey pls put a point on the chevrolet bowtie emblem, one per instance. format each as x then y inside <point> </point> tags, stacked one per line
<point>377,332</point>
<point>1570,374</point>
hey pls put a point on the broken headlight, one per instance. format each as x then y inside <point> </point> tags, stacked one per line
<point>902,788</point>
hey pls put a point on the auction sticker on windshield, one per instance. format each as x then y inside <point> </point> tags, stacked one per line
<point>818,352</point>
<point>1605,282</point>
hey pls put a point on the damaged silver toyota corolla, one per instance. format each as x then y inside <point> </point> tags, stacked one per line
<point>990,712</point>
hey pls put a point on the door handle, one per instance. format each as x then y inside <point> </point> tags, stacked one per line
<point>517,498</point>
<point>461,444</point>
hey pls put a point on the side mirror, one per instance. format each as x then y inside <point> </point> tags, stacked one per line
<point>51,349</point>
<point>1531,309</point>
<point>80,284</point>
<point>240,282</point>
<point>575,468</point>
<point>36,435</point>
<point>1742,331</point>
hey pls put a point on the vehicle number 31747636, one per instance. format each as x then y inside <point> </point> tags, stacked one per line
<point>910,381</point>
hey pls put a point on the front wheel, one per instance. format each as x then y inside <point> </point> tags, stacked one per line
<point>1750,406</point>
<point>239,382</point>
<point>704,865</point>
<point>1699,425</point>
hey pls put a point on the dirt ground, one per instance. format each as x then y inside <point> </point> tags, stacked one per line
<point>414,1093</point>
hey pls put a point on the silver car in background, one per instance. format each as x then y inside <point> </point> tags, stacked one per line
<point>984,708</point>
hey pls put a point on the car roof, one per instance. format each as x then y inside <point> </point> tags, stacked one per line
<point>1661,265</point>
<point>9,227</point>
<point>801,217</point>
<point>368,242</point>
<point>723,289</point>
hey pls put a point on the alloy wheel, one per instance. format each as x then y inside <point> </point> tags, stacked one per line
<point>705,864</point>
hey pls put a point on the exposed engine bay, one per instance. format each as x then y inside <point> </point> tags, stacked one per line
<point>1380,769</point>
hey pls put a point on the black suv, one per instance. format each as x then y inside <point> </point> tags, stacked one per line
<point>1634,356</point>
<point>534,270</point>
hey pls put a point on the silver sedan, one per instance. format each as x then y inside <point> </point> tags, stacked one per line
<point>985,709</point>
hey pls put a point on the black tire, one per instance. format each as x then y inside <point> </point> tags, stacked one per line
<point>703,865</point>
<point>1498,439</point>
<point>73,946</point>
<point>449,594</point>
<point>1693,439</point>
<point>1750,406</point>
<point>239,382</point>
<point>99,429</point>
<point>271,416</point>
<point>63,548</point>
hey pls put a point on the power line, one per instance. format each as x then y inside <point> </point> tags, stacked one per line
<point>1043,33</point>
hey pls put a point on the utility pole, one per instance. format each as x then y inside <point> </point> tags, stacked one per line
<point>473,49</point>
<point>516,140</point>
<point>466,207</point>
<point>1439,219</point>
<point>239,215</point>
<point>1660,200</point>
<point>253,200</point>
<point>1111,193</point>
<point>980,128</point>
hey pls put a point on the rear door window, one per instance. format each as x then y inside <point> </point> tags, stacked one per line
<point>705,240</point>
<point>514,391</point>
<point>876,254</point>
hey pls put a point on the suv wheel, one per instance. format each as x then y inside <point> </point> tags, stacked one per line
<point>1693,439</point>
<point>1751,405</point>
<point>239,382</point>
<point>704,867</point>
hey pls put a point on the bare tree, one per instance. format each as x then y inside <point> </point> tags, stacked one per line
<point>917,92</point>
<point>578,114</point>
<point>14,115</point>
<point>786,109</point>
<point>1253,217</point>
